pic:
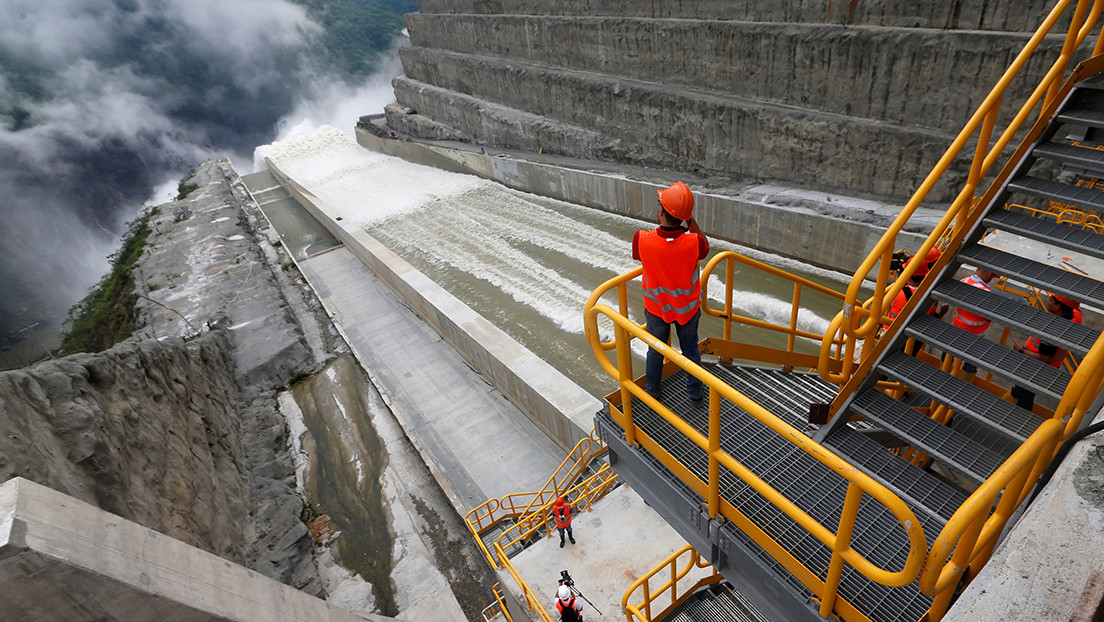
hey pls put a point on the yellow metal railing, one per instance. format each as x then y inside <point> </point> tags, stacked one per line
<point>790,357</point>
<point>582,496</point>
<point>532,599</point>
<point>498,607</point>
<point>836,537</point>
<point>858,323</point>
<point>518,505</point>
<point>533,513</point>
<point>644,610</point>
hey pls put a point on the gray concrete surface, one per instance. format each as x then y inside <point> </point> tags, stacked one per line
<point>958,14</point>
<point>859,97</point>
<point>476,443</point>
<point>63,560</point>
<point>616,543</point>
<point>559,407</point>
<point>783,220</point>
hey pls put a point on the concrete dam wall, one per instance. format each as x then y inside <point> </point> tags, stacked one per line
<point>861,102</point>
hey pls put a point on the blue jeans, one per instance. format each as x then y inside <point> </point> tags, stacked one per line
<point>688,341</point>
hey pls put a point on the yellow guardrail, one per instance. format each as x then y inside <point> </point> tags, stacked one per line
<point>730,259</point>
<point>532,600</point>
<point>492,611</point>
<point>513,506</point>
<point>582,496</point>
<point>858,323</point>
<point>642,611</point>
<point>837,537</point>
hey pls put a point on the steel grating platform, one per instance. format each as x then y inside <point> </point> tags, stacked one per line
<point>718,602</point>
<point>810,485</point>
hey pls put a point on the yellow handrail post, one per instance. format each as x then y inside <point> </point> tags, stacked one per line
<point>714,450</point>
<point>796,306</point>
<point>1068,47</point>
<point>959,560</point>
<point>840,545</point>
<point>1005,507</point>
<point>624,368</point>
<point>730,273</point>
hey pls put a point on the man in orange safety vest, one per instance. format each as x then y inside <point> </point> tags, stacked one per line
<point>562,511</point>
<point>972,322</point>
<point>672,290</point>
<point>1042,351</point>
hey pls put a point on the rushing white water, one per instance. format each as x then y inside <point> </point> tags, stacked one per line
<point>527,263</point>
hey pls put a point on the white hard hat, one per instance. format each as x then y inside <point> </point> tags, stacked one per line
<point>564,592</point>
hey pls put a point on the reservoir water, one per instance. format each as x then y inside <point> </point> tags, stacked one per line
<point>527,263</point>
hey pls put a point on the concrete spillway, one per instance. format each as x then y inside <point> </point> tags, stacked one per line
<point>525,262</point>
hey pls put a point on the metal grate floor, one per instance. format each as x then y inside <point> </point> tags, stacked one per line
<point>813,487</point>
<point>719,602</point>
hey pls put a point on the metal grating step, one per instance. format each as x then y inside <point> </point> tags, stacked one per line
<point>1049,278</point>
<point>1082,116</point>
<point>785,394</point>
<point>964,398</point>
<point>1070,154</point>
<point>1095,81</point>
<point>935,439</point>
<point>998,443</point>
<point>1004,362</point>
<point>1048,231</point>
<point>1080,196</point>
<point>721,602</point>
<point>917,488</point>
<point>1017,314</point>
<point>808,484</point>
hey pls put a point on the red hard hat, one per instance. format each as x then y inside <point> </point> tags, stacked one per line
<point>1069,302</point>
<point>921,270</point>
<point>933,256</point>
<point>677,200</point>
<point>559,500</point>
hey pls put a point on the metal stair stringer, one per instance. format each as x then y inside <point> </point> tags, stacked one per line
<point>977,430</point>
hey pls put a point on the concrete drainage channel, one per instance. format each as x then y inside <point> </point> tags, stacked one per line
<point>387,515</point>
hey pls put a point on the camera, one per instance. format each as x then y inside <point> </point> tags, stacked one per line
<point>900,258</point>
<point>565,579</point>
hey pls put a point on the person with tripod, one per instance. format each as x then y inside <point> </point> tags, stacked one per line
<point>570,609</point>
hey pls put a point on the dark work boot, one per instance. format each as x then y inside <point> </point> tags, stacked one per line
<point>562,542</point>
<point>572,538</point>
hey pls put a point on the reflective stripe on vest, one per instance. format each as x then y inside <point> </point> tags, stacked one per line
<point>672,287</point>
<point>972,322</point>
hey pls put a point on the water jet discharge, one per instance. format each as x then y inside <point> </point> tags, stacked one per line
<point>526,263</point>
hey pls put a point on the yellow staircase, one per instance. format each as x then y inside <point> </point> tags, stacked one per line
<point>846,518</point>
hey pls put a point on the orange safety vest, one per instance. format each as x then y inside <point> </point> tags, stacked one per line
<point>972,322</point>
<point>672,289</point>
<point>563,515</point>
<point>899,303</point>
<point>1032,345</point>
<point>569,606</point>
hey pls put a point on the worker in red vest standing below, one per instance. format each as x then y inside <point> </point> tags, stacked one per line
<point>672,289</point>
<point>562,512</point>
<point>1042,351</point>
<point>972,322</point>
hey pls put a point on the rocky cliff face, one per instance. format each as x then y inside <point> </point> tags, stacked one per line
<point>178,427</point>
<point>861,99</point>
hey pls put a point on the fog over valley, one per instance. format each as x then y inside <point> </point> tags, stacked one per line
<point>105,105</point>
